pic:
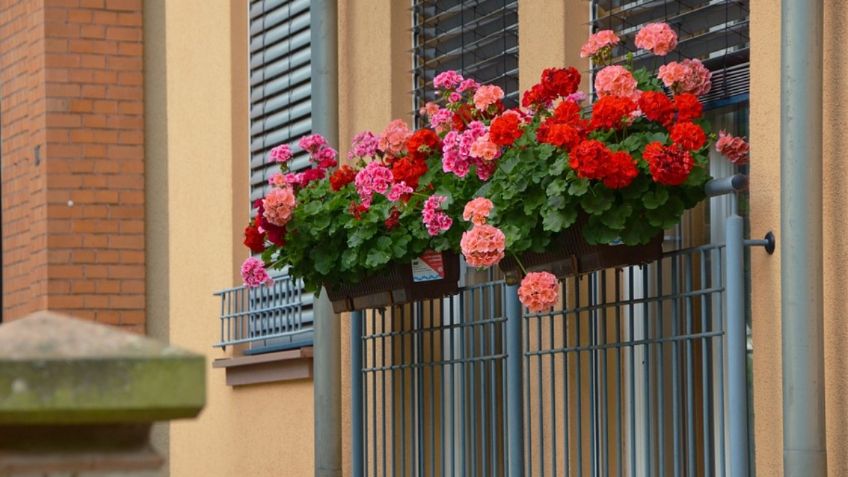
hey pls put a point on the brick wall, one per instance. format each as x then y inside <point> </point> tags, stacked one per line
<point>73,158</point>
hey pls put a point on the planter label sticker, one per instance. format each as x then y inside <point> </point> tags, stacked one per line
<point>428,267</point>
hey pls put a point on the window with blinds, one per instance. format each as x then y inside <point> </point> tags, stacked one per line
<point>280,113</point>
<point>713,31</point>
<point>280,89</point>
<point>478,38</point>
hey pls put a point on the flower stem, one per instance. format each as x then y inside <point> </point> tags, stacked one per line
<point>518,261</point>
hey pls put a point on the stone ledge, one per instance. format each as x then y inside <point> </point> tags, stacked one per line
<point>287,365</point>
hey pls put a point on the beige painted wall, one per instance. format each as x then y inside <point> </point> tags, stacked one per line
<point>765,215</point>
<point>197,184</point>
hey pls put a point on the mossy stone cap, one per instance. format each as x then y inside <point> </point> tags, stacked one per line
<point>56,369</point>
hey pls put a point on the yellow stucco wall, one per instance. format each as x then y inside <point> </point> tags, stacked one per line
<point>197,176</point>
<point>765,215</point>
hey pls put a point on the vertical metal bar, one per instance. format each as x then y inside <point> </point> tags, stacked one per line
<point>618,370</point>
<point>706,346</point>
<point>431,364</point>
<point>604,381</point>
<point>632,346</point>
<point>515,387</point>
<point>472,382</point>
<point>553,394</point>
<point>801,294</point>
<point>565,378</point>
<point>356,393</point>
<point>722,465</point>
<point>690,387</point>
<point>540,393</point>
<point>591,330</point>
<point>578,380</point>
<point>384,369</point>
<point>646,331</point>
<point>402,367</point>
<point>675,367</point>
<point>737,361</point>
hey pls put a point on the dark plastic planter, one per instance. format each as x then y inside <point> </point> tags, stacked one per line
<point>570,255</point>
<point>394,286</point>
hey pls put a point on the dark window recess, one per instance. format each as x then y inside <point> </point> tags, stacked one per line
<point>477,38</point>
<point>277,317</point>
<point>713,31</point>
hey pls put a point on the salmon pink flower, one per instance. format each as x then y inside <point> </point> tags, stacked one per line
<point>394,137</point>
<point>658,38</point>
<point>312,143</point>
<point>279,205</point>
<point>616,81</point>
<point>687,76</point>
<point>486,96</point>
<point>483,148</point>
<point>732,147</point>
<point>449,79</point>
<point>477,210</point>
<point>483,245</point>
<point>597,42</point>
<point>538,291</point>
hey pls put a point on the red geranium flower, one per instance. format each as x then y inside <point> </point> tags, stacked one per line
<point>669,165</point>
<point>621,170</point>
<point>589,159</point>
<point>313,174</point>
<point>688,107</point>
<point>688,135</point>
<point>356,210</point>
<point>505,129</point>
<point>657,107</point>
<point>393,219</point>
<point>341,177</point>
<point>462,116</point>
<point>409,169</point>
<point>610,112</point>
<point>536,96</point>
<point>422,143</point>
<point>567,112</point>
<point>560,135</point>
<point>253,238</point>
<point>560,81</point>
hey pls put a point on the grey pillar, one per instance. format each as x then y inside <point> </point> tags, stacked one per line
<point>804,452</point>
<point>515,383</point>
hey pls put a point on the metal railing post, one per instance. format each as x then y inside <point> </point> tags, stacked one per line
<point>356,394</point>
<point>737,356</point>
<point>515,383</point>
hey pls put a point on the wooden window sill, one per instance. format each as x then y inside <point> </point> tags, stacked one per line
<point>287,365</point>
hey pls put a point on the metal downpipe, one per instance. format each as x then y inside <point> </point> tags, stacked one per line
<point>327,352</point>
<point>804,451</point>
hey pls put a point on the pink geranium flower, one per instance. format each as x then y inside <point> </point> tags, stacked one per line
<point>281,153</point>
<point>254,274</point>
<point>477,210</point>
<point>597,42</point>
<point>449,79</point>
<point>538,291</point>
<point>658,38</point>
<point>486,96</point>
<point>483,245</point>
<point>374,178</point>
<point>435,219</point>
<point>485,149</point>
<point>394,137</point>
<point>616,81</point>
<point>279,205</point>
<point>687,76</point>
<point>732,147</point>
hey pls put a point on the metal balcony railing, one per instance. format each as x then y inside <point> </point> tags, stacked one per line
<point>268,318</point>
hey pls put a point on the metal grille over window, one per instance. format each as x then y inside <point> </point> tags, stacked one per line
<point>477,38</point>
<point>268,318</point>
<point>280,86</point>
<point>713,31</point>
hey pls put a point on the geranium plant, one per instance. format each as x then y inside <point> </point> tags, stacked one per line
<point>491,182</point>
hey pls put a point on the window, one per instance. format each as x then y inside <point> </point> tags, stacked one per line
<point>713,31</point>
<point>477,38</point>
<point>280,112</point>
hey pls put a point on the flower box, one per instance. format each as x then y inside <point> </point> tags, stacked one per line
<point>570,254</point>
<point>398,284</point>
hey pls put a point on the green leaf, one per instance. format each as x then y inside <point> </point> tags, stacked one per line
<point>555,220</point>
<point>655,198</point>
<point>400,245</point>
<point>363,233</point>
<point>349,257</point>
<point>559,165</point>
<point>666,216</point>
<point>638,231</point>
<point>324,258</point>
<point>509,164</point>
<point>544,151</point>
<point>377,258</point>
<point>599,200</point>
<point>616,217</point>
<point>578,187</point>
<point>556,187</point>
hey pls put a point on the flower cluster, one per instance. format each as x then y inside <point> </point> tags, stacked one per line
<point>687,76</point>
<point>435,219</point>
<point>599,46</point>
<point>254,274</point>
<point>483,245</point>
<point>658,38</point>
<point>732,147</point>
<point>538,291</point>
<point>616,81</point>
